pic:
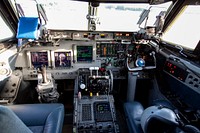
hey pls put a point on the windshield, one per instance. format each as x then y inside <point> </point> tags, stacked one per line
<point>185,29</point>
<point>5,31</point>
<point>72,15</point>
<point>119,17</point>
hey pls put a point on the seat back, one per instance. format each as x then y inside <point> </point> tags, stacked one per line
<point>41,118</point>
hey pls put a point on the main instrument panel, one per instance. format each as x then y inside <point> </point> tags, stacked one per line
<point>64,52</point>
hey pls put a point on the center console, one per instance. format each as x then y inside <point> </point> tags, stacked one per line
<point>94,105</point>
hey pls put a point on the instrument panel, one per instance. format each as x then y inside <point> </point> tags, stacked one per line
<point>61,61</point>
<point>67,51</point>
<point>182,74</point>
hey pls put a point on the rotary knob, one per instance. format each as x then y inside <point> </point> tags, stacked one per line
<point>82,86</point>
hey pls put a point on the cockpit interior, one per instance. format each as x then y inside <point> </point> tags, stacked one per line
<point>102,66</point>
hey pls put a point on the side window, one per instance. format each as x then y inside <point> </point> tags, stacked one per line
<point>5,31</point>
<point>184,31</point>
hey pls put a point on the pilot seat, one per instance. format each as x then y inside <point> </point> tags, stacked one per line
<point>32,118</point>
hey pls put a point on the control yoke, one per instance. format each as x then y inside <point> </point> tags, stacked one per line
<point>140,64</point>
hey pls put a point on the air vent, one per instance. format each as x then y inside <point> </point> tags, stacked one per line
<point>193,81</point>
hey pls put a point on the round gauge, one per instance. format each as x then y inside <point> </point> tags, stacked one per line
<point>3,71</point>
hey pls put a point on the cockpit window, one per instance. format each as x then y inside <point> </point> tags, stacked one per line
<point>65,14</point>
<point>124,17</point>
<point>5,31</point>
<point>184,31</point>
<point>119,17</point>
<point>61,14</point>
<point>73,15</point>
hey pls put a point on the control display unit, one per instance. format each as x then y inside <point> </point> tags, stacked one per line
<point>102,111</point>
<point>95,114</point>
<point>39,58</point>
<point>62,59</point>
<point>102,107</point>
<point>84,53</point>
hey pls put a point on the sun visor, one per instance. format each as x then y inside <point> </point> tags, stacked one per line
<point>28,28</point>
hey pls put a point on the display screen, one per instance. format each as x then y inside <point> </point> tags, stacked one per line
<point>84,53</point>
<point>102,107</point>
<point>39,58</point>
<point>62,59</point>
<point>102,111</point>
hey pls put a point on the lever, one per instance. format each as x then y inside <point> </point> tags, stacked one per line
<point>97,69</point>
<point>91,69</point>
<point>44,73</point>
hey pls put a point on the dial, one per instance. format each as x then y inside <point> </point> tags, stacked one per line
<point>82,86</point>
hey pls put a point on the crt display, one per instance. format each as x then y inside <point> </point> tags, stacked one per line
<point>84,53</point>
<point>102,107</point>
<point>62,59</point>
<point>102,111</point>
<point>39,58</point>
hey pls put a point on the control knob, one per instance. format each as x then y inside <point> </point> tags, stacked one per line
<point>82,86</point>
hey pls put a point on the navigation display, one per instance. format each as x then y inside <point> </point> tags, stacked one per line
<point>84,53</point>
<point>39,58</point>
<point>62,59</point>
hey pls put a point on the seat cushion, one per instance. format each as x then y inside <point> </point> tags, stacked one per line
<point>133,112</point>
<point>41,118</point>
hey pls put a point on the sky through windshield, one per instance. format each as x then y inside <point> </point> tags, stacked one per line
<point>71,15</point>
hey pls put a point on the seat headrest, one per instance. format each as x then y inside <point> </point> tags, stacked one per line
<point>156,119</point>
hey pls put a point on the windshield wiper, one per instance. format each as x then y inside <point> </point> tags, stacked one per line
<point>181,50</point>
<point>20,10</point>
<point>42,12</point>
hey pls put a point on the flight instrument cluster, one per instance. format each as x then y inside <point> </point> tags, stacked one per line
<point>68,51</point>
<point>61,61</point>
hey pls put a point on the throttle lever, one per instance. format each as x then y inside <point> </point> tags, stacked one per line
<point>44,73</point>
